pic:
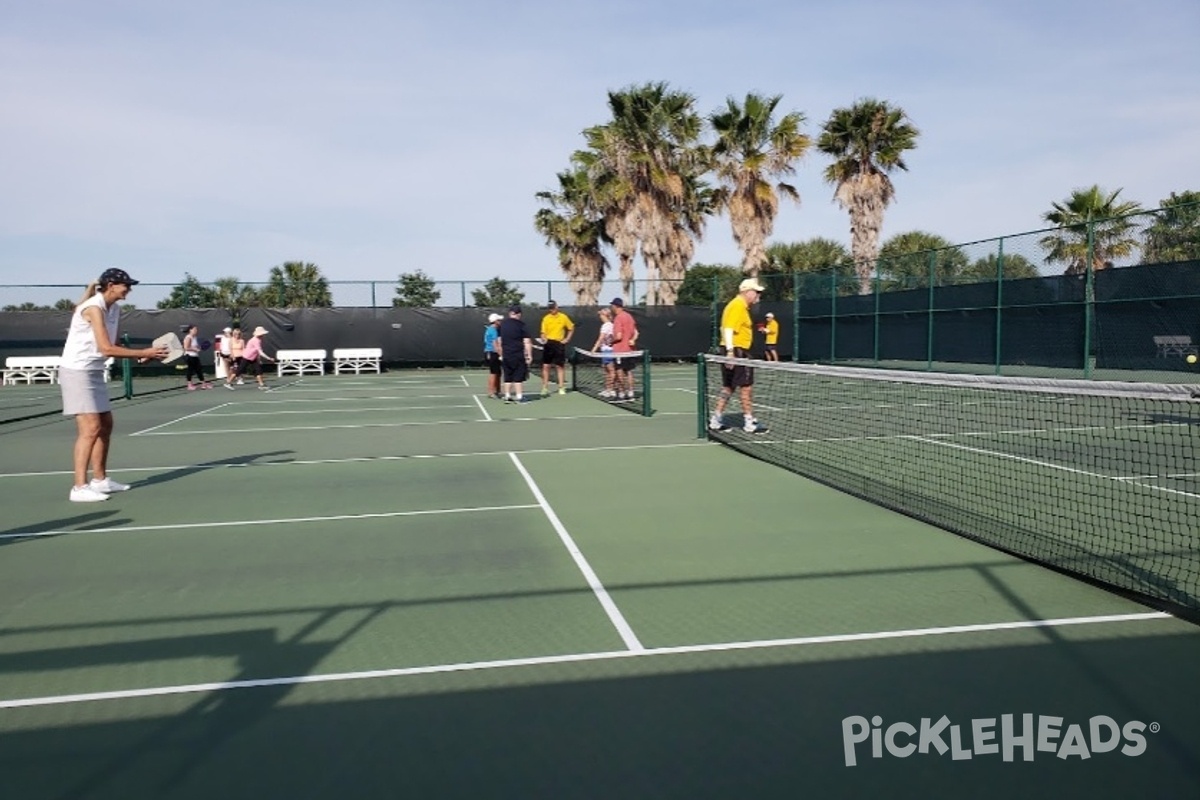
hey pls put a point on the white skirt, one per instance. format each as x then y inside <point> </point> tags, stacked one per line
<point>83,391</point>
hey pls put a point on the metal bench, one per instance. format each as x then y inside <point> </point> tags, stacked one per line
<point>300,362</point>
<point>31,369</point>
<point>1168,346</point>
<point>356,360</point>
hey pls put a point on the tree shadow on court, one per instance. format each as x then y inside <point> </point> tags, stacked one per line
<point>714,725</point>
<point>63,526</point>
<point>192,469</point>
<point>189,739</point>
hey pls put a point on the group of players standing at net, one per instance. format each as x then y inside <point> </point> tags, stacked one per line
<point>508,351</point>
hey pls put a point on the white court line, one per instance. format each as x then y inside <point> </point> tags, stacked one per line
<point>180,419</point>
<point>576,658</point>
<point>465,382</point>
<point>606,602</point>
<point>486,416</point>
<point>252,522</point>
<point>366,459</point>
<point>258,429</point>
<point>294,389</point>
<point>389,409</point>
<point>274,402</point>
<point>1052,465</point>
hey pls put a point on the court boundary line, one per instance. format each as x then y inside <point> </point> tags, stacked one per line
<point>367,459</point>
<point>255,522</point>
<point>593,580</point>
<point>486,416</point>
<point>409,424</point>
<point>199,413</point>
<point>575,658</point>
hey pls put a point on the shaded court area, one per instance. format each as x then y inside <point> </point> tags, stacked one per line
<point>392,586</point>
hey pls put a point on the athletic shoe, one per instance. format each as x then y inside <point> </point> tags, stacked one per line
<point>108,486</point>
<point>753,426</point>
<point>206,386</point>
<point>86,494</point>
<point>239,382</point>
<point>229,386</point>
<point>562,390</point>
<point>545,392</point>
<point>191,388</point>
<point>507,399</point>
<point>715,424</point>
<point>262,388</point>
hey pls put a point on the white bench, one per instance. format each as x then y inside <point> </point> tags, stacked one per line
<point>300,362</point>
<point>1167,346</point>
<point>39,369</point>
<point>31,369</point>
<point>356,360</point>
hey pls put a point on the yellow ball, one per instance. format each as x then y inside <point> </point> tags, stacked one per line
<point>1191,359</point>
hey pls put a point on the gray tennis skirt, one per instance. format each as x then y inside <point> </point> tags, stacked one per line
<point>83,391</point>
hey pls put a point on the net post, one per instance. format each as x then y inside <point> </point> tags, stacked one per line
<point>126,370</point>
<point>647,408</point>
<point>701,398</point>
<point>574,359</point>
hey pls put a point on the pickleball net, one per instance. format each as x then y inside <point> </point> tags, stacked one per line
<point>598,375</point>
<point>1099,479</point>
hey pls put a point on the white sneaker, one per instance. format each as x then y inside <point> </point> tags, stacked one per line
<point>753,426</point>
<point>86,494</point>
<point>715,424</point>
<point>108,486</point>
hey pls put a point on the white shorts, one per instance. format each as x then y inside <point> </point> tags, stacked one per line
<point>83,391</point>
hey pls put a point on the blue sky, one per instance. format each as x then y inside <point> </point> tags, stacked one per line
<point>374,138</point>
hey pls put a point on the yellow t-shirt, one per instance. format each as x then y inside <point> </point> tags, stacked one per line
<point>556,326</point>
<point>737,317</point>
<point>772,331</point>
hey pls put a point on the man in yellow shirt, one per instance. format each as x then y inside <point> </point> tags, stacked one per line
<point>556,333</point>
<point>737,335</point>
<point>770,330</point>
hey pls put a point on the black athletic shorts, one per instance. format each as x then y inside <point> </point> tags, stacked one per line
<point>492,362</point>
<point>516,370</point>
<point>735,376</point>
<point>554,353</point>
<point>626,363</point>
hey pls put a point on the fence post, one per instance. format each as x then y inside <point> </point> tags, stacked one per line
<point>875,332</point>
<point>999,302</point>
<point>1089,300</point>
<point>796,316</point>
<point>932,304</point>
<point>833,287</point>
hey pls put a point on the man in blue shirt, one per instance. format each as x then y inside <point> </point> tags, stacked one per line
<point>516,353</point>
<point>491,354</point>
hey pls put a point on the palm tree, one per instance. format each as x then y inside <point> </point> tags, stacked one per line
<point>904,260</point>
<point>867,142</point>
<point>813,259</point>
<point>1175,233</point>
<point>1091,222</point>
<point>297,284</point>
<point>648,161</point>
<point>573,226</point>
<point>751,151</point>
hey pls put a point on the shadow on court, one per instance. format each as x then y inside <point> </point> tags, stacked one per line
<point>79,522</point>
<point>236,461</point>
<point>700,726</point>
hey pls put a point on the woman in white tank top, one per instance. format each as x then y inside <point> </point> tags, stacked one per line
<point>90,341</point>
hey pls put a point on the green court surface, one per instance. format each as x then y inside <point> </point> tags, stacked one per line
<point>392,586</point>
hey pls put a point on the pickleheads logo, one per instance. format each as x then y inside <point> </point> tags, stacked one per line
<point>1027,734</point>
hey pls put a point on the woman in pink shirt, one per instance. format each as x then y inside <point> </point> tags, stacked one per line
<point>253,356</point>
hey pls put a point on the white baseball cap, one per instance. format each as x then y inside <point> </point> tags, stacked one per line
<point>750,284</point>
<point>494,317</point>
